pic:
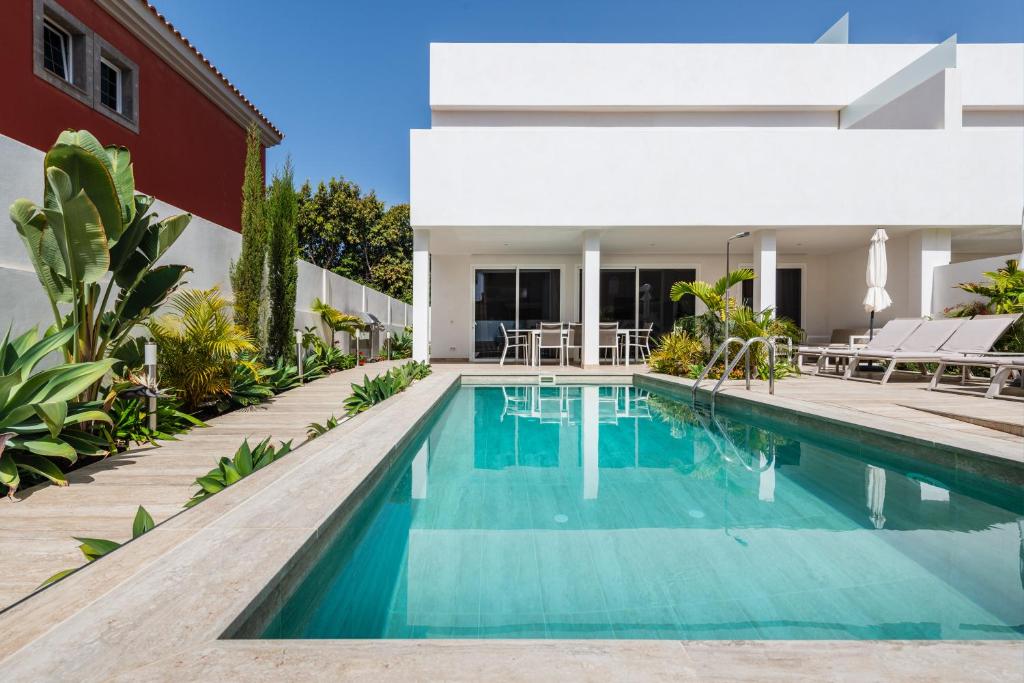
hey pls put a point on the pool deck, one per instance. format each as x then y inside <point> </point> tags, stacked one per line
<point>37,527</point>
<point>156,609</point>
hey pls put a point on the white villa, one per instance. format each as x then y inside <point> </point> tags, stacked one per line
<point>577,182</point>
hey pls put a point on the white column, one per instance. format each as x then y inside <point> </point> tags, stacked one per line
<point>926,250</point>
<point>765,263</point>
<point>421,295</point>
<point>591,471</point>
<point>591,313</point>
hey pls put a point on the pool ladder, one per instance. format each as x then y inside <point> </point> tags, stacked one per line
<point>744,353</point>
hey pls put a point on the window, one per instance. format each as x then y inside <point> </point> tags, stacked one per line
<point>57,51</point>
<point>110,86</point>
<point>70,56</point>
<point>788,294</point>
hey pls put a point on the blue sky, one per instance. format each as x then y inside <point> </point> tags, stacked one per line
<point>346,80</point>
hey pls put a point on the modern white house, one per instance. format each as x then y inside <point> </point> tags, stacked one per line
<point>577,182</point>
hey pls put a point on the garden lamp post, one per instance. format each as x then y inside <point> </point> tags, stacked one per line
<point>298,353</point>
<point>149,361</point>
<point>739,235</point>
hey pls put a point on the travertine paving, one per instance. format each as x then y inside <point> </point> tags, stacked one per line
<point>36,528</point>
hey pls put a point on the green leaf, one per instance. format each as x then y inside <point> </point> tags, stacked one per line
<point>95,548</point>
<point>124,180</point>
<point>27,359</point>
<point>58,576</point>
<point>231,475</point>
<point>243,460</point>
<point>50,447</point>
<point>42,467</point>
<point>88,167</point>
<point>9,471</point>
<point>143,522</point>
<point>151,291</point>
<point>53,414</point>
<point>161,236</point>
<point>86,240</point>
<point>31,224</point>
<point>210,484</point>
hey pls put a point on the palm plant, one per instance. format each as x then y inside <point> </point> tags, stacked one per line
<point>1005,293</point>
<point>91,226</point>
<point>335,320</point>
<point>200,346</point>
<point>710,325</point>
<point>747,324</point>
<point>37,419</point>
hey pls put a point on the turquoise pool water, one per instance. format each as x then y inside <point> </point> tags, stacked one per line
<point>608,512</point>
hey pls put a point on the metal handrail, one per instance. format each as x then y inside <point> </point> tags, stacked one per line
<point>745,353</point>
<point>714,358</point>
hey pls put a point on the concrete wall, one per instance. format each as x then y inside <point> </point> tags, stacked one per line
<point>682,76</point>
<point>207,247</point>
<point>744,177</point>
<point>945,294</point>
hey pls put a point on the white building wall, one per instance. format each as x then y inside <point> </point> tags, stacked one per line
<point>205,246</point>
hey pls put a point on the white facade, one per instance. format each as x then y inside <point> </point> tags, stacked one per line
<point>560,156</point>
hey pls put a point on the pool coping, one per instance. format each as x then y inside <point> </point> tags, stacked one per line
<point>140,614</point>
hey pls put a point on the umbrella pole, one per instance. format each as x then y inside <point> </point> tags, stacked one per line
<point>871,329</point>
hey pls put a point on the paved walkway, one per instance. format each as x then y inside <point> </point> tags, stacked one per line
<point>36,529</point>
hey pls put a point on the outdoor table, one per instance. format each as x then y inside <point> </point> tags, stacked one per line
<point>533,353</point>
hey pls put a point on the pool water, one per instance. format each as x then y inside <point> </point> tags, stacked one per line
<point>610,512</point>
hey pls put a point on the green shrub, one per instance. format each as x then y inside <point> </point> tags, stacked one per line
<point>199,346</point>
<point>38,417</point>
<point>383,387</point>
<point>676,353</point>
<point>400,345</point>
<point>92,234</point>
<point>248,280</point>
<point>95,548</point>
<point>315,429</point>
<point>229,470</point>
<point>247,387</point>
<point>131,422</point>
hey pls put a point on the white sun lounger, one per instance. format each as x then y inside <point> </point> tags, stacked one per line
<point>888,338</point>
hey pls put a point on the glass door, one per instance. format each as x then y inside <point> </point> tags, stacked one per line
<point>521,298</point>
<point>494,303</point>
<point>653,300</point>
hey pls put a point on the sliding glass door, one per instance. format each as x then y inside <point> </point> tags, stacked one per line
<point>519,298</point>
<point>638,297</point>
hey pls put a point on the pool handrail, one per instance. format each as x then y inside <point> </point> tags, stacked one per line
<point>711,362</point>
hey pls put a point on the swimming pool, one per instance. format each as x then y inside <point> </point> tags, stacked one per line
<point>612,512</point>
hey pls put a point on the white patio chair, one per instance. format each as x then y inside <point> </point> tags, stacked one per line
<point>514,341</point>
<point>921,346</point>
<point>608,338</point>
<point>573,339</point>
<point>551,338</point>
<point>640,342</point>
<point>971,346</point>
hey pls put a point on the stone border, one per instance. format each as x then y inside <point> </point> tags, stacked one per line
<point>156,609</point>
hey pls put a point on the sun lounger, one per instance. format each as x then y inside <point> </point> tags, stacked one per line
<point>841,339</point>
<point>1001,367</point>
<point>938,339</point>
<point>888,338</point>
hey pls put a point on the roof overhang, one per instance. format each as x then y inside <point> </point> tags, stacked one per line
<point>143,20</point>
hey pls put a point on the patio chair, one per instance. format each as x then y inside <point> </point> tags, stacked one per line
<point>608,338</point>
<point>888,338</point>
<point>921,346</point>
<point>514,341</point>
<point>573,339</point>
<point>971,346</point>
<point>842,339</point>
<point>641,342</point>
<point>551,338</point>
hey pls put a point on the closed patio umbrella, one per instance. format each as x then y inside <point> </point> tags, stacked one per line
<point>877,299</point>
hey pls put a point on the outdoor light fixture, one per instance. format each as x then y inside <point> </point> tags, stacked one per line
<point>739,235</point>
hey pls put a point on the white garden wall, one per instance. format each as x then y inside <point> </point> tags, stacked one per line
<point>207,247</point>
<point>946,294</point>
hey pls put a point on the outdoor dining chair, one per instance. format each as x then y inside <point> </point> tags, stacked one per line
<point>551,338</point>
<point>517,340</point>
<point>640,342</point>
<point>608,338</point>
<point>574,339</point>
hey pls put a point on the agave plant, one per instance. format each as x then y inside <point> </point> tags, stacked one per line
<point>37,417</point>
<point>200,346</point>
<point>715,296</point>
<point>247,388</point>
<point>315,429</point>
<point>130,422</point>
<point>93,225</point>
<point>383,387</point>
<point>95,548</point>
<point>281,376</point>
<point>229,470</point>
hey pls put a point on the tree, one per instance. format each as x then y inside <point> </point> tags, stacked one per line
<point>715,297</point>
<point>247,275</point>
<point>357,236</point>
<point>282,263</point>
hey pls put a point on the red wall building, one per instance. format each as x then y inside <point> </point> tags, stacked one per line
<point>119,70</point>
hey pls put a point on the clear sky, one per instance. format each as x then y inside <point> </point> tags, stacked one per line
<point>346,80</point>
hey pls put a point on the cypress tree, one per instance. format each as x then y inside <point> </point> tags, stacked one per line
<point>247,279</point>
<point>282,263</point>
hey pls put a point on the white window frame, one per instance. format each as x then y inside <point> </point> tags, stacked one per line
<point>69,61</point>
<point>118,95</point>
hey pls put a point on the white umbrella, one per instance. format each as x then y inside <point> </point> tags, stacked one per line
<point>877,299</point>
